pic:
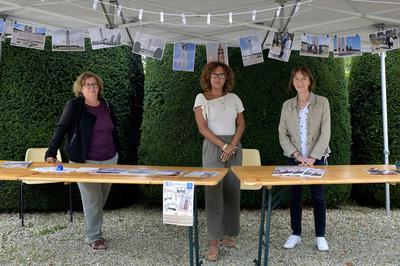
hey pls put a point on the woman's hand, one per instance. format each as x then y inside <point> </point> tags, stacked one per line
<point>225,156</point>
<point>230,149</point>
<point>228,152</point>
<point>51,160</point>
<point>306,161</point>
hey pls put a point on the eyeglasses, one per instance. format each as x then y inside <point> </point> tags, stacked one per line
<point>218,75</point>
<point>93,85</point>
<point>300,79</point>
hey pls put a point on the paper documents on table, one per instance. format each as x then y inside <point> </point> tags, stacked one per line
<point>201,174</point>
<point>54,170</point>
<point>139,172</point>
<point>288,170</point>
<point>87,169</point>
<point>300,171</point>
<point>178,203</point>
<point>313,172</point>
<point>121,171</point>
<point>376,171</point>
<point>167,172</point>
<point>110,171</point>
<point>15,164</point>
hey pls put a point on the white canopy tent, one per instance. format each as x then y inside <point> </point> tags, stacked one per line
<point>314,16</point>
<point>211,21</point>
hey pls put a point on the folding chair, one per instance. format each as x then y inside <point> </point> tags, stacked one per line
<point>251,157</point>
<point>37,155</point>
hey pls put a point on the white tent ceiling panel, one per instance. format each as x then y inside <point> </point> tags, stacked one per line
<point>316,17</point>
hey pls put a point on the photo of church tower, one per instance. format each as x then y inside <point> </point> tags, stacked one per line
<point>217,51</point>
<point>221,54</point>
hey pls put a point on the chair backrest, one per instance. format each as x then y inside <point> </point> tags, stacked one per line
<point>37,154</point>
<point>251,157</point>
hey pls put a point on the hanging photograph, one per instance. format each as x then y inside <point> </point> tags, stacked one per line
<point>2,26</point>
<point>346,46</point>
<point>28,36</point>
<point>105,38</point>
<point>251,49</point>
<point>184,56</point>
<point>281,46</point>
<point>64,40</point>
<point>315,45</point>
<point>149,45</point>
<point>217,51</point>
<point>384,40</point>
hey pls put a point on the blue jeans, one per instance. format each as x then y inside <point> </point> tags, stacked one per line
<point>318,200</point>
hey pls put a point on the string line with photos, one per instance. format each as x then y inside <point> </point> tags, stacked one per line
<point>29,36</point>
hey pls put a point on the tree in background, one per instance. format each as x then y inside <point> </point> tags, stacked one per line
<point>366,120</point>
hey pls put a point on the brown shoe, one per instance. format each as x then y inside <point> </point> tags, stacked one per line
<point>98,245</point>
<point>212,254</point>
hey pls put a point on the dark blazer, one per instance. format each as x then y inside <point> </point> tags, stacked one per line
<point>77,123</point>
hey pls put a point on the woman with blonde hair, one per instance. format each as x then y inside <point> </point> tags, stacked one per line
<point>88,121</point>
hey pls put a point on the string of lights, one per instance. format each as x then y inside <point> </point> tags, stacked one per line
<point>252,14</point>
<point>183,19</point>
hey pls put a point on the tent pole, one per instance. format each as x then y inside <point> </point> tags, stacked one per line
<point>1,45</point>
<point>385,127</point>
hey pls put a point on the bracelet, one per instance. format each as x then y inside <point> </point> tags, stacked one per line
<point>224,147</point>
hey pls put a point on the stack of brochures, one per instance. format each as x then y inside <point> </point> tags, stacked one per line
<point>53,169</point>
<point>167,172</point>
<point>300,171</point>
<point>120,171</point>
<point>139,172</point>
<point>201,174</point>
<point>87,169</point>
<point>376,171</point>
<point>15,164</point>
<point>144,172</point>
<point>110,171</point>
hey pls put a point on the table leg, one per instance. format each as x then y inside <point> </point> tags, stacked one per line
<point>261,230</point>
<point>70,202</point>
<point>190,232</point>
<point>196,229</point>
<point>267,227</point>
<point>194,245</point>
<point>22,203</point>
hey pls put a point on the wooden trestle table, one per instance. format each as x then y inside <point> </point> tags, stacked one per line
<point>334,175</point>
<point>19,174</point>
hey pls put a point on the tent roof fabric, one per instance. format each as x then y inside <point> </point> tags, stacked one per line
<point>338,17</point>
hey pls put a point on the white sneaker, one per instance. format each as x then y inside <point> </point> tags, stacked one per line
<point>292,241</point>
<point>322,244</point>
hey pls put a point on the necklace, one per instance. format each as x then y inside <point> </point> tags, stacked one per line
<point>220,99</point>
<point>302,103</point>
<point>302,106</point>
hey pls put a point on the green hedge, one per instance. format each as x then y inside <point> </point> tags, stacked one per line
<point>169,132</point>
<point>366,120</point>
<point>34,86</point>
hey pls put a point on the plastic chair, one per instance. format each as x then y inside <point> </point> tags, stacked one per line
<point>251,157</point>
<point>37,155</point>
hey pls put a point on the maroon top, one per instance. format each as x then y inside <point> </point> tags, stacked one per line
<point>101,146</point>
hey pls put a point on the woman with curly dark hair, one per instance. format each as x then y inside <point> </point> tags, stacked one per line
<point>219,118</point>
